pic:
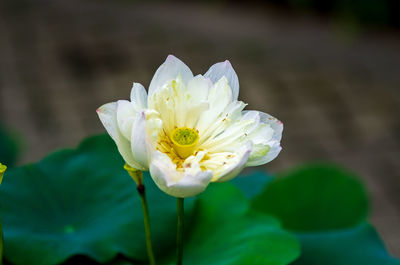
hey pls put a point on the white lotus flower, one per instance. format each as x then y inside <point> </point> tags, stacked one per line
<point>190,130</point>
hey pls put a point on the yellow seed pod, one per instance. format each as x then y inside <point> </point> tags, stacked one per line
<point>184,141</point>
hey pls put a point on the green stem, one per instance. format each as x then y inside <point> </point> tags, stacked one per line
<point>146,219</point>
<point>179,236</point>
<point>1,244</point>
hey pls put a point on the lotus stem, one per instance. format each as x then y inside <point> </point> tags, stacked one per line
<point>179,237</point>
<point>137,176</point>
<point>3,169</point>
<point>1,244</point>
<point>146,219</point>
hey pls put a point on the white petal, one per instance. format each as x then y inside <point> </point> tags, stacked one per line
<point>108,116</point>
<point>219,97</point>
<point>198,88</point>
<point>233,136</point>
<point>232,166</point>
<point>138,96</point>
<point>196,99</point>
<point>193,114</point>
<point>141,144</point>
<point>228,117</point>
<point>218,70</point>
<point>273,152</point>
<point>169,101</point>
<point>169,70</point>
<point>154,125</point>
<point>126,115</point>
<point>276,125</point>
<point>266,142</point>
<point>175,183</point>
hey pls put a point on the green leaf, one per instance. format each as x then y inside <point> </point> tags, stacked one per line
<point>359,245</point>
<point>253,182</point>
<point>81,202</point>
<point>226,232</point>
<point>84,260</point>
<point>8,148</point>
<point>315,198</point>
<point>326,207</point>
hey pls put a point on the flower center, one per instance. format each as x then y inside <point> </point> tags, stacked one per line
<point>184,141</point>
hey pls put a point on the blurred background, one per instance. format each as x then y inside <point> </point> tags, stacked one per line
<point>329,69</point>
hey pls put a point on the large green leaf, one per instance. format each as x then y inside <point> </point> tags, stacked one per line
<point>225,232</point>
<point>326,207</point>
<point>252,182</point>
<point>359,245</point>
<point>81,202</point>
<point>315,198</point>
<point>84,260</point>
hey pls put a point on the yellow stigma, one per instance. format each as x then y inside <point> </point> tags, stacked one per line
<point>2,170</point>
<point>184,141</point>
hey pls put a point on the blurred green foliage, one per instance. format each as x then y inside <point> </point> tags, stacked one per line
<point>82,202</point>
<point>326,208</point>
<point>225,231</point>
<point>9,147</point>
<point>78,206</point>
<point>310,207</point>
<point>359,244</point>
